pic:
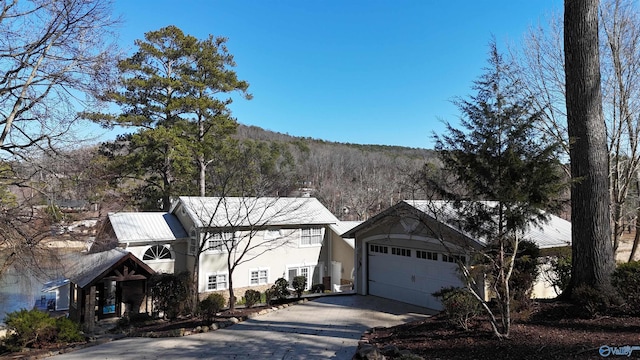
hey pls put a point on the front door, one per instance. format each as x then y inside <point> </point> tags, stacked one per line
<point>107,299</point>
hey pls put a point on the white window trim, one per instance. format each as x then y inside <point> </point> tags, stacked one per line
<point>311,229</point>
<point>309,267</point>
<point>222,248</point>
<point>192,243</point>
<point>219,273</point>
<point>259,270</point>
<point>159,261</point>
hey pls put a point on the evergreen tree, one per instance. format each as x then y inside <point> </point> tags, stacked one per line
<point>498,157</point>
<point>170,90</point>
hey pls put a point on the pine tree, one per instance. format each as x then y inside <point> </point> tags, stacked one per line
<point>508,177</point>
<point>171,91</point>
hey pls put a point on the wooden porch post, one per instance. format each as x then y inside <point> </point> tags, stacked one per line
<point>90,310</point>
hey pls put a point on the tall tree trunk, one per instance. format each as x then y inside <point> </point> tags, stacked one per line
<point>636,237</point>
<point>592,261</point>
<point>202,170</point>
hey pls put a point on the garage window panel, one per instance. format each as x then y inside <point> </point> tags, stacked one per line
<point>400,251</point>
<point>427,255</point>
<point>379,249</point>
<point>453,258</point>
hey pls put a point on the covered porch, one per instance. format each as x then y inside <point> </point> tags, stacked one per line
<point>110,284</point>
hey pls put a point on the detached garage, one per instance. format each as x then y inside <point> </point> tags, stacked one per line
<point>399,254</point>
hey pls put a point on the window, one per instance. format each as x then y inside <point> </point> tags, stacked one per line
<point>272,234</point>
<point>193,241</point>
<point>379,249</point>
<point>400,251</point>
<point>427,255</point>
<point>220,241</point>
<point>217,281</point>
<point>300,271</point>
<point>258,277</point>
<point>157,252</point>
<point>311,236</point>
<point>453,258</point>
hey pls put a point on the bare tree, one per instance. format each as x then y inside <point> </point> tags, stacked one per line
<point>53,55</point>
<point>592,253</point>
<point>542,72</point>
<point>620,29</point>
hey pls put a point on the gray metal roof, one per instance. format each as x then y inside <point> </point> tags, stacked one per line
<point>146,226</point>
<point>225,212</point>
<point>556,232</point>
<point>83,268</point>
<point>343,226</point>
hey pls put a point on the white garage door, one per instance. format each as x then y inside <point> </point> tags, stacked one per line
<point>410,275</point>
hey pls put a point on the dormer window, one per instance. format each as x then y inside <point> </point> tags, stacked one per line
<point>311,236</point>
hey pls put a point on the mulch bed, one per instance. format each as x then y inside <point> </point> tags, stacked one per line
<point>551,332</point>
<point>160,328</point>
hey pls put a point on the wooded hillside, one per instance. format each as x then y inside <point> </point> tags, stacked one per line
<point>353,181</point>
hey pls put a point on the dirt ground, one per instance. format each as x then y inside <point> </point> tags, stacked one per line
<point>551,332</point>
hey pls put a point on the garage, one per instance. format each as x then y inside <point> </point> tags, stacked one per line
<point>408,274</point>
<point>409,251</point>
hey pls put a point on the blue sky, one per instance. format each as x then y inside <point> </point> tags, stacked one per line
<point>366,72</point>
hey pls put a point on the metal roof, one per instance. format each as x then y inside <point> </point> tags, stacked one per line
<point>225,212</point>
<point>556,232</point>
<point>146,226</point>
<point>344,226</point>
<point>83,268</point>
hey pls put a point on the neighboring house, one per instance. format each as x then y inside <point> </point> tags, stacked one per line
<point>289,236</point>
<point>56,296</point>
<point>409,251</point>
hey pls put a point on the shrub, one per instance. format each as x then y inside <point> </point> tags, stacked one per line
<point>268,296</point>
<point>29,327</point>
<point>317,288</point>
<point>210,306</point>
<point>280,290</point>
<point>170,293</point>
<point>251,297</point>
<point>68,330</point>
<point>460,306</point>
<point>626,280</point>
<point>591,301</point>
<point>524,275</point>
<point>34,328</point>
<point>559,272</point>
<point>299,283</point>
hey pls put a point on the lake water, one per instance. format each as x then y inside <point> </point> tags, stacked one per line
<point>20,287</point>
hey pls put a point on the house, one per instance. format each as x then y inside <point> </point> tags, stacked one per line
<point>270,238</point>
<point>56,296</point>
<point>409,251</point>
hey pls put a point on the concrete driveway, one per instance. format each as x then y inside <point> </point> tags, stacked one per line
<point>326,328</point>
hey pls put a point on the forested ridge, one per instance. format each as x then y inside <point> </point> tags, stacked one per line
<point>354,181</point>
